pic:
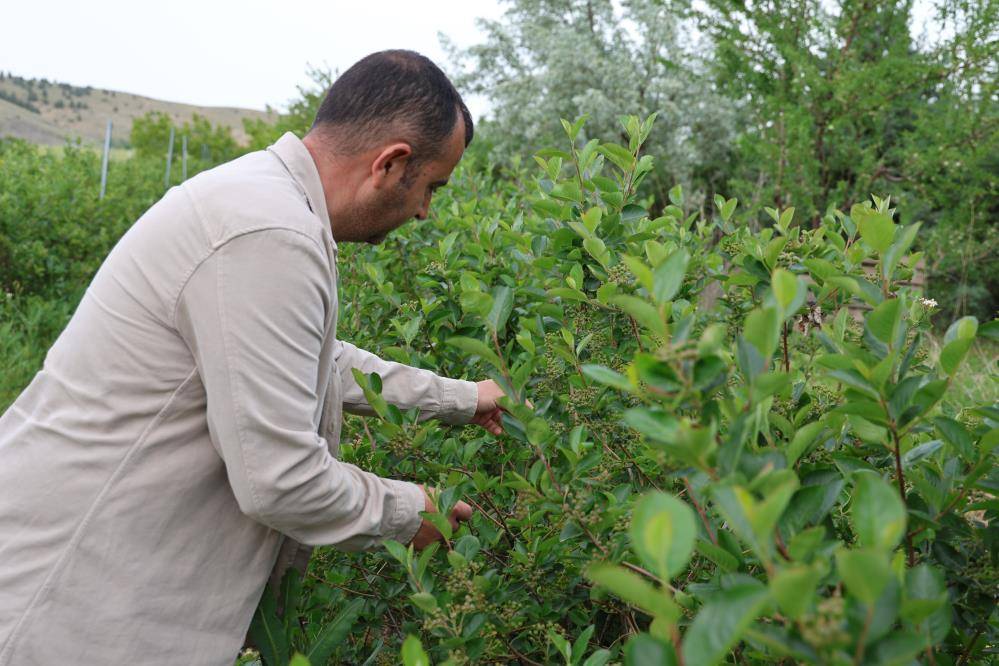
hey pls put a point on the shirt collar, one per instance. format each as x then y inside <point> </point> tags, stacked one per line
<point>298,161</point>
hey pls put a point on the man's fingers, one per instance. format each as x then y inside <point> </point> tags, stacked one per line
<point>461,511</point>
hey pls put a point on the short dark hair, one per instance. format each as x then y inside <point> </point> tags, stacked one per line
<point>394,90</point>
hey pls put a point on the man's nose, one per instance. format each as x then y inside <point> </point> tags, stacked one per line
<point>424,210</point>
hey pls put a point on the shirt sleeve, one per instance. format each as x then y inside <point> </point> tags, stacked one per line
<point>253,315</point>
<point>450,400</point>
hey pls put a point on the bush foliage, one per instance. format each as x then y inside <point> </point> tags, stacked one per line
<point>738,446</point>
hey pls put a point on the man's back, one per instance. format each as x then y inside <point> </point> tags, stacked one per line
<point>116,505</point>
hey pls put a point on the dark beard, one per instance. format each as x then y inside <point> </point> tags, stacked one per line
<point>369,222</point>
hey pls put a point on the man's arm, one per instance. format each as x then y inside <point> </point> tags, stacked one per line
<point>253,315</point>
<point>450,400</point>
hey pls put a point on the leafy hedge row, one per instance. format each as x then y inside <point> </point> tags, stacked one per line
<point>722,462</point>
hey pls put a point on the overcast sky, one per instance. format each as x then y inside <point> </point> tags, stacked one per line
<point>248,53</point>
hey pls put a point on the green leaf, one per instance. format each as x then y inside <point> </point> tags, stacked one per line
<point>599,658</point>
<point>640,270</point>
<point>656,373</point>
<point>291,593</point>
<point>884,320</point>
<point>865,571</point>
<point>785,286</point>
<point>953,354</point>
<point>898,249</point>
<point>645,650</point>
<point>662,533</point>
<point>579,645</point>
<point>802,441</point>
<point>561,644</point>
<point>806,542</point>
<point>721,623</point>
<point>877,512</point>
<point>724,559</point>
<point>607,377</point>
<point>412,652</point>
<point>820,269</point>
<point>876,229</point>
<point>963,328</point>
<point>439,521</point>
<point>668,276</point>
<point>794,588</point>
<point>618,155</point>
<point>268,632</point>
<point>633,589</point>
<point>654,424</point>
<point>751,519</point>
<point>762,330</point>
<point>502,307</point>
<point>643,313</point>
<point>598,251</point>
<point>925,593</point>
<point>424,600</point>
<point>476,348</point>
<point>867,431</point>
<point>676,195</point>
<point>956,435</point>
<point>334,633</point>
<point>728,208</point>
<point>299,659</point>
<point>397,550</point>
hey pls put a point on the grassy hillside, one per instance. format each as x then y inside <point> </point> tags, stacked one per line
<point>47,112</point>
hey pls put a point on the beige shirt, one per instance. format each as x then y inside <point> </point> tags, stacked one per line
<point>188,418</point>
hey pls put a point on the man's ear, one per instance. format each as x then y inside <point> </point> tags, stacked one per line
<point>389,164</point>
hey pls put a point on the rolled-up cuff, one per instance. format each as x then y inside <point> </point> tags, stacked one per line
<point>406,519</point>
<point>459,398</point>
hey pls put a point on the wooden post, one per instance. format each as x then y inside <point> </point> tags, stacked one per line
<point>166,177</point>
<point>104,162</point>
<point>183,160</point>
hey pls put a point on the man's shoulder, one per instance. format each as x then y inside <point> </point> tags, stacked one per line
<point>249,193</point>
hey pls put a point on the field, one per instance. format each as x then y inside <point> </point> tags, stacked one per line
<point>764,480</point>
<point>49,113</point>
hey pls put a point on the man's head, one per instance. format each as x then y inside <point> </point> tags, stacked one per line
<point>388,133</point>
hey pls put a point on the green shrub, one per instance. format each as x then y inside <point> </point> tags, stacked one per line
<point>771,477</point>
<point>742,446</point>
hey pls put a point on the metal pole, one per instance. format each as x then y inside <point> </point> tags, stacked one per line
<point>183,161</point>
<point>166,178</point>
<point>104,163</point>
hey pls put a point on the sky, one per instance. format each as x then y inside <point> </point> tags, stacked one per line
<point>250,53</point>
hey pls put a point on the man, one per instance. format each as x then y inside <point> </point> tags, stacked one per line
<point>184,427</point>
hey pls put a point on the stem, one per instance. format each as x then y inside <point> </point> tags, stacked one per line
<point>700,511</point>
<point>677,649</point>
<point>787,360</point>
<point>901,491</point>
<point>781,547</point>
<point>858,656</point>
<point>963,659</point>
<point>634,328</point>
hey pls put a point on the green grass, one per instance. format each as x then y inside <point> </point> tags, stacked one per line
<point>28,328</point>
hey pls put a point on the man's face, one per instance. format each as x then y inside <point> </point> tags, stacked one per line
<point>409,195</point>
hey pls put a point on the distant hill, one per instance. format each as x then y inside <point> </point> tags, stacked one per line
<point>48,112</point>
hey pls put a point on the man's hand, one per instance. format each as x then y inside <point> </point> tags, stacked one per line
<point>428,534</point>
<point>487,413</point>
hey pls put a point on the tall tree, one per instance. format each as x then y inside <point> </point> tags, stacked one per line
<point>841,102</point>
<point>552,59</point>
